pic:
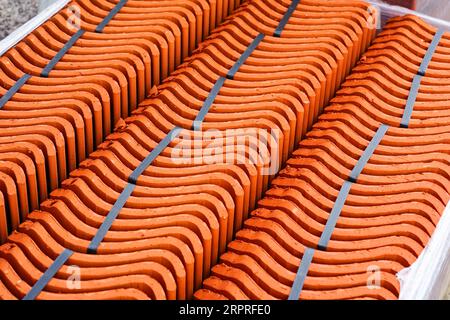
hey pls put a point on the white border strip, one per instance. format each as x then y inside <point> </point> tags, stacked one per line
<point>395,11</point>
<point>428,278</point>
<point>31,25</point>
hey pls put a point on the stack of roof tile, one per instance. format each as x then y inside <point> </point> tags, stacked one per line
<point>138,223</point>
<point>360,198</point>
<point>65,86</point>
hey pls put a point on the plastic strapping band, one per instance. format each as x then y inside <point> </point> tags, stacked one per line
<point>61,53</point>
<point>110,16</point>
<point>418,78</point>
<point>155,153</point>
<point>334,215</point>
<point>13,90</point>
<point>302,272</point>
<point>126,193</point>
<point>286,18</point>
<point>430,52</point>
<point>45,72</point>
<point>221,81</point>
<point>345,190</point>
<point>247,53</point>
<point>112,215</point>
<point>48,274</point>
<point>208,103</point>
<point>368,153</point>
<point>411,101</point>
<point>335,212</point>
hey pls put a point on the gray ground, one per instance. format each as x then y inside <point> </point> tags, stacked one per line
<point>14,13</point>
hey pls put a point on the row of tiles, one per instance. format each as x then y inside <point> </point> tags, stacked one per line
<point>51,158</point>
<point>346,230</point>
<point>59,116</point>
<point>177,215</point>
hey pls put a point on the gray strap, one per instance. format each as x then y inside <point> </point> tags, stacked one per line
<point>110,218</point>
<point>13,90</point>
<point>154,154</point>
<point>418,78</point>
<point>368,152</point>
<point>334,215</point>
<point>345,190</point>
<point>336,212</point>
<point>61,53</point>
<point>430,52</point>
<point>110,16</point>
<point>196,126</point>
<point>247,53</point>
<point>126,193</point>
<point>207,104</point>
<point>407,114</point>
<point>45,72</point>
<point>48,275</point>
<point>286,18</point>
<point>302,272</point>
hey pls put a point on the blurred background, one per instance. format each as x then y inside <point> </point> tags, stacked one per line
<point>14,13</point>
<point>435,8</point>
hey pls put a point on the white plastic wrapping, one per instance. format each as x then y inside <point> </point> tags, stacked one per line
<point>428,278</point>
<point>388,11</point>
